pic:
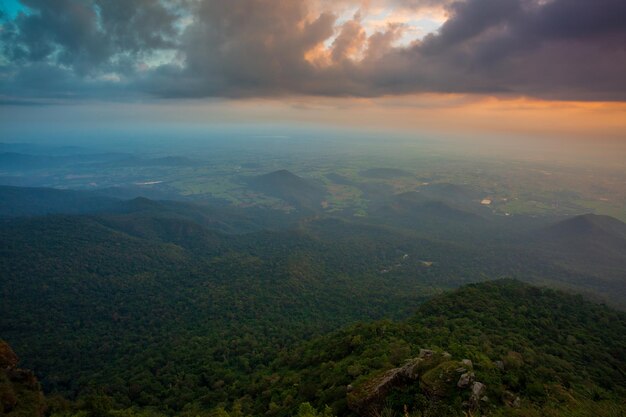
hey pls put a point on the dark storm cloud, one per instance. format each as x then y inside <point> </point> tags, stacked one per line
<point>86,34</point>
<point>562,49</point>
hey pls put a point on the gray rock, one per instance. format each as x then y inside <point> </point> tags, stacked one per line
<point>467,363</point>
<point>465,380</point>
<point>517,403</point>
<point>426,353</point>
<point>478,389</point>
<point>409,369</point>
<point>373,393</point>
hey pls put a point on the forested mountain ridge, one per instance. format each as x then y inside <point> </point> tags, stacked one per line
<point>25,201</point>
<point>180,307</point>
<point>498,348</point>
<point>536,351</point>
<point>295,190</point>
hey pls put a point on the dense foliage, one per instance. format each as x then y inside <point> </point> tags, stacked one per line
<point>153,309</point>
<point>556,349</point>
<point>187,314</point>
<point>538,352</point>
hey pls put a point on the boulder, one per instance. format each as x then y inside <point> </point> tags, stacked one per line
<point>511,400</point>
<point>441,380</point>
<point>465,380</point>
<point>410,369</point>
<point>478,389</point>
<point>368,395</point>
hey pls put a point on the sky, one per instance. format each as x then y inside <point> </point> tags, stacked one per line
<point>518,67</point>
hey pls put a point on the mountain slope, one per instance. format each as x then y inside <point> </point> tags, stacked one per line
<point>411,206</point>
<point>23,201</point>
<point>592,229</point>
<point>590,243</point>
<point>534,351</point>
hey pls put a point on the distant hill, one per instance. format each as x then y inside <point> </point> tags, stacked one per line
<point>459,195</point>
<point>591,244</point>
<point>589,227</point>
<point>182,223</point>
<point>25,201</point>
<point>139,216</point>
<point>415,203</point>
<point>167,161</point>
<point>152,191</point>
<point>416,211</point>
<point>588,237</point>
<point>42,149</point>
<point>339,179</point>
<point>16,161</point>
<point>13,160</point>
<point>384,173</point>
<point>287,186</point>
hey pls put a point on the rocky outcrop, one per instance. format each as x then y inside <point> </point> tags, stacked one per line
<point>8,358</point>
<point>478,391</point>
<point>467,363</point>
<point>435,375</point>
<point>20,392</point>
<point>465,380</point>
<point>369,395</point>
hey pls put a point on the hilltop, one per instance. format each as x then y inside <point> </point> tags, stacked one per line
<point>290,187</point>
<point>495,348</point>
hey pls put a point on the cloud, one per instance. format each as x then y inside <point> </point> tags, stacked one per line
<point>556,49</point>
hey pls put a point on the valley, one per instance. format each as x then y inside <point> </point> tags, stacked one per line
<point>179,303</point>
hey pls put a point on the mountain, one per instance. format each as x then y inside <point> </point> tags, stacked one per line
<point>591,228</point>
<point>418,204</point>
<point>136,213</point>
<point>454,194</point>
<point>495,348</point>
<point>42,149</point>
<point>289,187</point>
<point>184,307</point>
<point>23,201</point>
<point>591,243</point>
<point>210,303</point>
<point>419,213</point>
<point>498,348</point>
<point>14,160</point>
<point>167,161</point>
<point>131,215</point>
